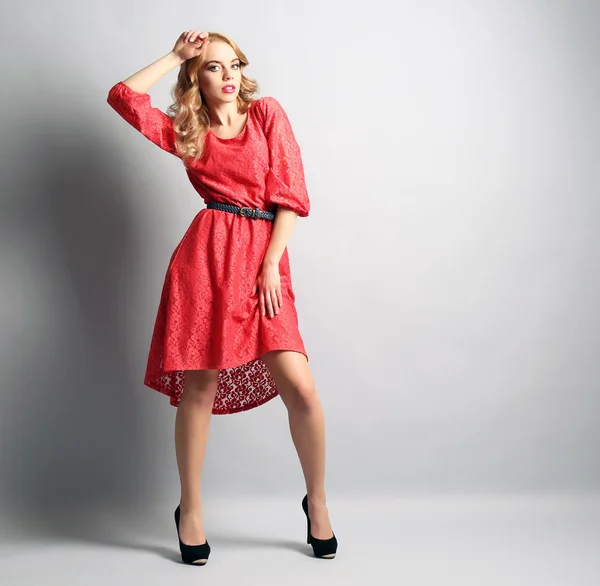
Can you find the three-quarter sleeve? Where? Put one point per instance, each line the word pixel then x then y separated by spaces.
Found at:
pixel 286 185
pixel 136 108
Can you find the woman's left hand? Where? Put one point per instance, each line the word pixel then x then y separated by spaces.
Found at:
pixel 268 285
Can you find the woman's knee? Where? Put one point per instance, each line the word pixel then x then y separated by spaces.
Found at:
pixel 301 395
pixel 200 385
pixel 293 378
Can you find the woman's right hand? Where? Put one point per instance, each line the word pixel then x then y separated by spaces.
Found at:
pixel 190 44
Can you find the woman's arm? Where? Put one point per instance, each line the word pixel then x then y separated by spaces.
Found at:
pixel 141 81
pixel 285 220
pixel 268 282
pixel 285 184
pixel 189 44
pixel 131 100
pixel 285 187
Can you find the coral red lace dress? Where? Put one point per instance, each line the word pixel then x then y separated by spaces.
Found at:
pixel 207 316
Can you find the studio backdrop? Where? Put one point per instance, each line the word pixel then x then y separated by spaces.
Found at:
pixel 446 278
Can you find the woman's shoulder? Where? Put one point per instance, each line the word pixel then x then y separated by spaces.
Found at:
pixel 267 105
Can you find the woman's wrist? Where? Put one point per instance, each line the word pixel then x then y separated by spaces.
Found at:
pixel 175 59
pixel 269 261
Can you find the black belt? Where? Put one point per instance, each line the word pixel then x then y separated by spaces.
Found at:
pixel 253 213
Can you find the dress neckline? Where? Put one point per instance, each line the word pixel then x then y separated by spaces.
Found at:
pixel 242 132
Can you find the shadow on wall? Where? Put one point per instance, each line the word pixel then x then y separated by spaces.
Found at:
pixel 71 433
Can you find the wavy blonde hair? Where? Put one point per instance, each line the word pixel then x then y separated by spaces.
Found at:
pixel 190 113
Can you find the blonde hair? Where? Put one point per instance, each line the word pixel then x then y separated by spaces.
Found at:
pixel 190 113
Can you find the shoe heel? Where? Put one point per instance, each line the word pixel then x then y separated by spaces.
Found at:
pixel 305 509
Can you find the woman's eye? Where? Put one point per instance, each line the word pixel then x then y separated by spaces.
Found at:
pixel 216 67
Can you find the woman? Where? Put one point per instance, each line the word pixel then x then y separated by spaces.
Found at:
pixel 226 337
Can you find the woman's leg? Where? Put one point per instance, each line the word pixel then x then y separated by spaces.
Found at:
pixel 297 390
pixel 192 423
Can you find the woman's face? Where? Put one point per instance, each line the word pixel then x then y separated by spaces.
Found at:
pixel 221 73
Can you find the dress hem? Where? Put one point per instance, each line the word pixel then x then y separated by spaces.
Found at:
pixel 153 382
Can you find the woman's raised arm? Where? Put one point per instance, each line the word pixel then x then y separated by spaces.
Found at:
pixel 131 100
pixel 189 44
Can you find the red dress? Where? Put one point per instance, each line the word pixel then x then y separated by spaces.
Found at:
pixel 207 317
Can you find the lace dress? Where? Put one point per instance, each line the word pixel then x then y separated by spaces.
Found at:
pixel 207 316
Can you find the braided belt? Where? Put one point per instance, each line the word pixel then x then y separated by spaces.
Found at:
pixel 254 214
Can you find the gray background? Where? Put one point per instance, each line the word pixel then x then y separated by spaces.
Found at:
pixel 447 278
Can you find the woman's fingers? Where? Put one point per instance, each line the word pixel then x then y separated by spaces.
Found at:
pixel 268 305
pixel 275 301
pixel 197 36
pixel 270 302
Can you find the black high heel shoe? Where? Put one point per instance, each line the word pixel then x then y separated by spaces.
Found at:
pixel 191 554
pixel 322 548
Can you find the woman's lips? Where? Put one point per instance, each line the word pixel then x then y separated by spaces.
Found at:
pixel 228 89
